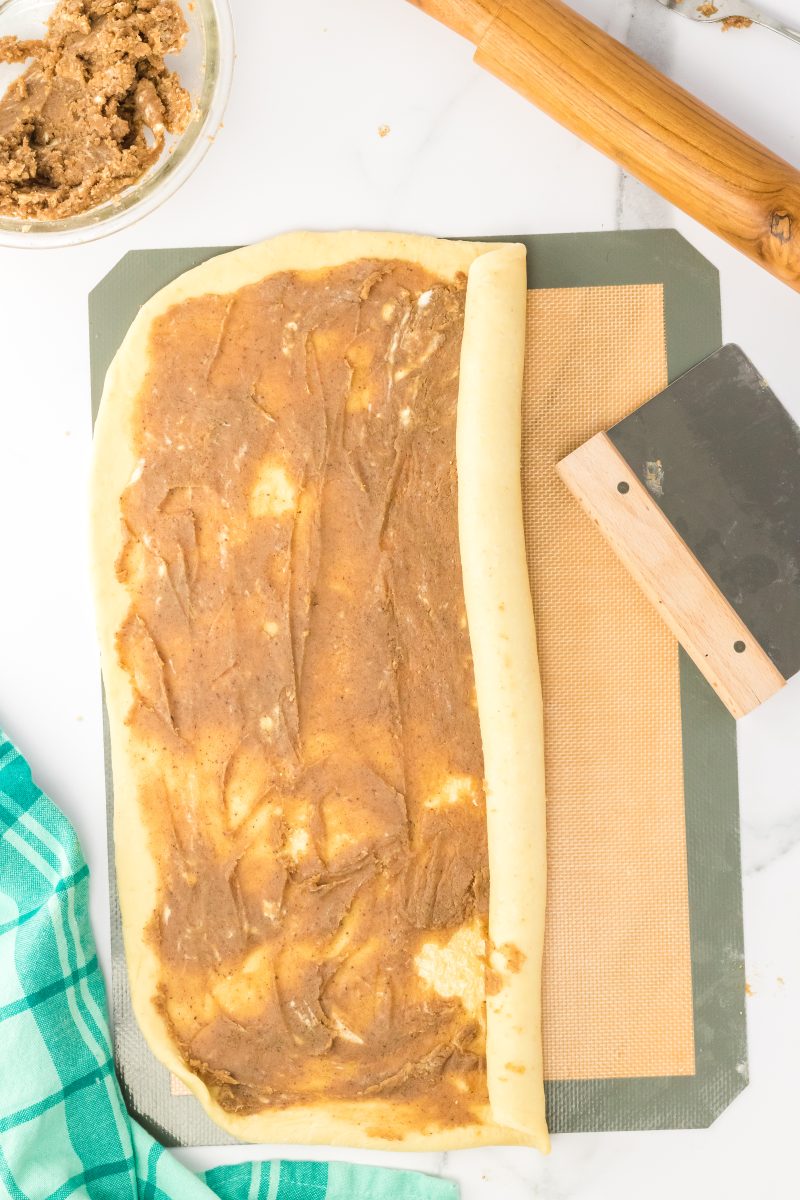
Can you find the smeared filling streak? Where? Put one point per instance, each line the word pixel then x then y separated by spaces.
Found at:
pixel 312 771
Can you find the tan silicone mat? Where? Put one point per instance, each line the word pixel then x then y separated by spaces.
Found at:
pixel 618 969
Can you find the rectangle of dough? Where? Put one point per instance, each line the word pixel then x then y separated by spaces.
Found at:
pixel 295 591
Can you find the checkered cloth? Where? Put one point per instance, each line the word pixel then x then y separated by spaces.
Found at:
pixel 64 1129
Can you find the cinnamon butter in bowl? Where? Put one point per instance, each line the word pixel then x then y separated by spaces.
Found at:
pixel 106 108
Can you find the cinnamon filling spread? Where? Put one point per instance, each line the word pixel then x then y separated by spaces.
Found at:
pixel 89 115
pixel 304 700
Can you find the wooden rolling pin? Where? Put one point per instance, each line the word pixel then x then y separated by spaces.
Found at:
pixel 654 129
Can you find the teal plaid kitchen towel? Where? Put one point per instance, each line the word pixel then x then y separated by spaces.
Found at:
pixel 64 1128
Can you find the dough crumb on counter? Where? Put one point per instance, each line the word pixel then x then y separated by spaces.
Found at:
pixel 89 115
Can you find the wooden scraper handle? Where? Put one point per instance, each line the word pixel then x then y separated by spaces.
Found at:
pixel 654 129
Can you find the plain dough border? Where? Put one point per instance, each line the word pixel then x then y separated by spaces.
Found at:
pixel 509 699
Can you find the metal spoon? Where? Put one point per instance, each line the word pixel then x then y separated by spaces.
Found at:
pixel 725 10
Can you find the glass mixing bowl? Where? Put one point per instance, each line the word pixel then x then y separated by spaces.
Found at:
pixel 204 66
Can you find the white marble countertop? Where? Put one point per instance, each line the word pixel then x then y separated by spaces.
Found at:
pixel 314 81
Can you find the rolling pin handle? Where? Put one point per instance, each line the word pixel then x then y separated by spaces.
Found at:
pixel 470 18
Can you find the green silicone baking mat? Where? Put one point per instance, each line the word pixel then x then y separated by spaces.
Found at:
pixel 644 964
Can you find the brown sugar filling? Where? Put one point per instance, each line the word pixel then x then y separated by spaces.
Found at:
pixel 312 770
pixel 89 115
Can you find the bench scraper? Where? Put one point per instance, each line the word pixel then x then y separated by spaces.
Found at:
pixel 698 492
